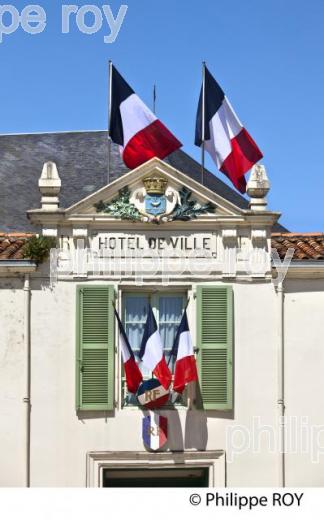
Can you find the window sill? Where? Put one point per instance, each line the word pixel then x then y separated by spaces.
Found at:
pixel 171 407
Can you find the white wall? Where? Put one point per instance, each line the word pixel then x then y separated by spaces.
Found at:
pixel 304 360
pixel 12 387
pixel 61 439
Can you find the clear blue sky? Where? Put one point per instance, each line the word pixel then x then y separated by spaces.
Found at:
pixel 266 54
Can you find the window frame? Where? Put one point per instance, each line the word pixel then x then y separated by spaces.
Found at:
pixel 154 301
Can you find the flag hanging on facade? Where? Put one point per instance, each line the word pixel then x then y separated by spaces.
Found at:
pixel 139 133
pixel 223 135
pixel 185 370
pixel 151 352
pixel 132 372
pixel 155 431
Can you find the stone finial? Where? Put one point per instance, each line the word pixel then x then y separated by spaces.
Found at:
pixel 50 186
pixel 257 188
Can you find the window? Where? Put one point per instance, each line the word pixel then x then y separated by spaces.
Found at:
pixel 95 341
pixel 167 308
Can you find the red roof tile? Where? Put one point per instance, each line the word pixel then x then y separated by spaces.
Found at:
pixel 11 245
pixel 307 246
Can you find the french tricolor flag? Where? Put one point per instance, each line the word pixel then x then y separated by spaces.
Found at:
pixel 132 372
pixel 155 431
pixel 151 352
pixel 224 137
pixel 185 367
pixel 139 133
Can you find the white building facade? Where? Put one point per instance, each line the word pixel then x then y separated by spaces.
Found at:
pixel 254 418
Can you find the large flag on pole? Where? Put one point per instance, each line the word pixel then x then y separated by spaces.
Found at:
pixel 185 367
pixel 132 372
pixel 151 352
pixel 139 133
pixel 222 134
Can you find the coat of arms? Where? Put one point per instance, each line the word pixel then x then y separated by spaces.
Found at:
pixel 156 201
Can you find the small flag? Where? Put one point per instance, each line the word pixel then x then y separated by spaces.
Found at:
pixel 132 371
pixel 140 134
pixel 185 367
pixel 226 140
pixel 151 352
pixel 155 431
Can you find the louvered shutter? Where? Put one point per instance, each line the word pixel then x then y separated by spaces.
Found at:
pixel 215 346
pixel 95 348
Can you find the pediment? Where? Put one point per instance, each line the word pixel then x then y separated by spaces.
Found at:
pixel 154 192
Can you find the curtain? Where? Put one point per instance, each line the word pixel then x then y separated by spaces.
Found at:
pixel 169 317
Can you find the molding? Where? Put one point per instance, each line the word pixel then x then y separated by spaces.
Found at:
pixel 17 266
pixel 96 461
pixel 152 167
pixel 304 269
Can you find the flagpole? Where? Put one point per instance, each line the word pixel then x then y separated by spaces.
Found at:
pixel 203 118
pixel 154 99
pixel 109 120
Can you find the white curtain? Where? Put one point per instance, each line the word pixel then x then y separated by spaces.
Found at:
pixel 169 317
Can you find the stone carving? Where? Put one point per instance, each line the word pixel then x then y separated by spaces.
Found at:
pixel 155 202
pixel 120 207
pixel 258 187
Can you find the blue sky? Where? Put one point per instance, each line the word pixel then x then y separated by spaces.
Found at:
pixel 267 55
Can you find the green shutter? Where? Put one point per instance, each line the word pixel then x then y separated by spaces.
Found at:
pixel 215 346
pixel 95 348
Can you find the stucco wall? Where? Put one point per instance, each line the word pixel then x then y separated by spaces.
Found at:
pixel 60 439
pixel 304 385
pixel 12 374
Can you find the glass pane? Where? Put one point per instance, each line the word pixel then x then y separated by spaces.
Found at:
pixel 136 308
pixel 170 314
pixel 171 309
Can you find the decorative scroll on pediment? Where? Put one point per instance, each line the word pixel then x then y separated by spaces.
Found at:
pixel 155 202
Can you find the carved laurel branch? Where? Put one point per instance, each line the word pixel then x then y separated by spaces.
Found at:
pixel 185 210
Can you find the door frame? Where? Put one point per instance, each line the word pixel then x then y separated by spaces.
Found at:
pixel 214 461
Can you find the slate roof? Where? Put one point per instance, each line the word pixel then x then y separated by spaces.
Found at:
pixel 307 246
pixel 82 159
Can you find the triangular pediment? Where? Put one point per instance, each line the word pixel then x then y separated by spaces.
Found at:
pixel 171 189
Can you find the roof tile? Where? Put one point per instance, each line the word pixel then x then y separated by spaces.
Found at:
pixel 307 246
pixel 11 245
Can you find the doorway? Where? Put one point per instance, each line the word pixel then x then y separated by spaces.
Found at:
pixel 164 477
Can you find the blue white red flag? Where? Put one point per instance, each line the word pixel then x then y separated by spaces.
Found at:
pixel 185 370
pixel 226 140
pixel 139 133
pixel 132 372
pixel 151 352
pixel 155 431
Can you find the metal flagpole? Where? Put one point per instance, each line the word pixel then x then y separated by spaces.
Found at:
pixel 203 118
pixel 109 120
pixel 154 99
